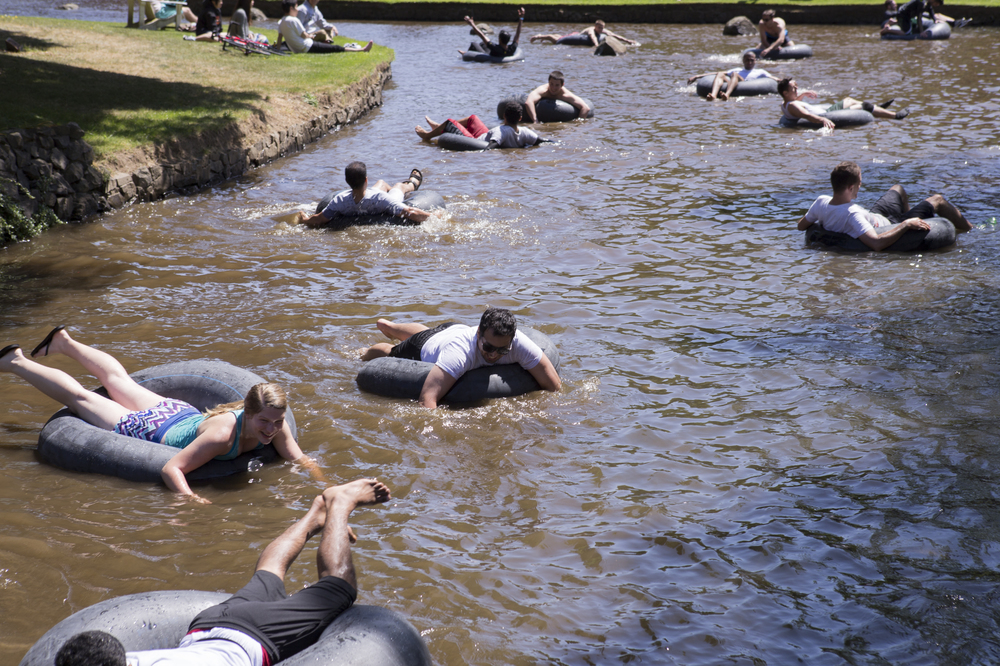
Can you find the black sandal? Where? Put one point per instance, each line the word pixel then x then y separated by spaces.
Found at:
pixel 415 175
pixel 46 342
pixel 8 349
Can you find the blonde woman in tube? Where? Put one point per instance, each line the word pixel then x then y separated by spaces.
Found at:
pixel 223 432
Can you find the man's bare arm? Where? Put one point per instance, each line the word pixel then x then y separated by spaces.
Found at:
pixel 436 386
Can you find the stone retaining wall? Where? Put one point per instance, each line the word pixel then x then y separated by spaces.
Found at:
pixel 55 164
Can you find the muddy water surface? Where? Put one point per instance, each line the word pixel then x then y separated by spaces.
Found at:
pixel 762 453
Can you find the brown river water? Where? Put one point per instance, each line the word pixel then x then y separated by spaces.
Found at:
pixel 762 453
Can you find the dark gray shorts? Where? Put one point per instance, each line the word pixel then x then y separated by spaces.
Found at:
pixel 410 348
pixel 284 625
pixel 890 205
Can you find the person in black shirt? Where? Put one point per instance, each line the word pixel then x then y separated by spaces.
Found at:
pixel 909 18
pixel 210 22
pixel 506 47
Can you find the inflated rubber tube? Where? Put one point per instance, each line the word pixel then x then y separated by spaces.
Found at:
pixel 69 442
pixel 450 141
pixel 929 30
pixel 476 53
pixel 403 378
pixel 546 110
pixel 423 199
pixel 787 52
pixel 578 39
pixel 158 620
pixel 762 86
pixel 941 234
pixel 842 118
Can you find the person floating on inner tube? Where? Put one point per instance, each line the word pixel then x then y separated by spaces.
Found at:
pixel 470 126
pixel 506 47
pixel 838 213
pixel 362 200
pixel 509 134
pixel 596 33
pixel 909 18
pixel 261 624
pixel 455 349
pixel 773 33
pixel 554 89
pixel 223 432
pixel 793 108
pixel 732 78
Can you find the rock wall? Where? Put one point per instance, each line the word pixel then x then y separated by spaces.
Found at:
pixel 55 165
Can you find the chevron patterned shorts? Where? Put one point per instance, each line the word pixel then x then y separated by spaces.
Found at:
pixel 152 424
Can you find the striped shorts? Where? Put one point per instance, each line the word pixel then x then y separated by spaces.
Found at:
pixel 152 424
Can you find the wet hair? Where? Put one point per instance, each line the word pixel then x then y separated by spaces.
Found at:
pixel 750 54
pixel 767 15
pixel 504 38
pixel 599 22
pixel 355 174
pixel 845 175
pixel 258 397
pixel 784 85
pixel 498 320
pixel 288 5
pixel 91 648
pixel 512 112
pixel 556 74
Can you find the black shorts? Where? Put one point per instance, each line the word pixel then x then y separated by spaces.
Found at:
pixel 890 205
pixel 284 625
pixel 410 347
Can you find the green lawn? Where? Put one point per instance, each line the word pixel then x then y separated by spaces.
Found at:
pixel 127 88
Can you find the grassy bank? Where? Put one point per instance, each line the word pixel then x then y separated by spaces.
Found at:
pixel 128 88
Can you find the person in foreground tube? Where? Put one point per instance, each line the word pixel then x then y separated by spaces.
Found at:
pixel 793 106
pixel 455 349
pixel 839 213
pixel 261 624
pixel 223 432
pixel 363 200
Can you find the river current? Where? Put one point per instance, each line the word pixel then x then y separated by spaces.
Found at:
pixel 763 453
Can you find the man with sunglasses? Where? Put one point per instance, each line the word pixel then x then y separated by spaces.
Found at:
pixel 455 349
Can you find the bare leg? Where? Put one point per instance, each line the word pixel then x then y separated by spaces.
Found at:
pixel 879 112
pixel 108 371
pixel 381 185
pixel 280 553
pixel 406 186
pixel 947 210
pixel 334 555
pixel 551 39
pixel 378 350
pixel 733 82
pixel 399 332
pixel 189 16
pixel 720 77
pixel 93 408
pixel 902 195
pixel 436 129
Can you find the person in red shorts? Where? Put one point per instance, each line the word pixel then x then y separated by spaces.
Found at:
pixel 470 126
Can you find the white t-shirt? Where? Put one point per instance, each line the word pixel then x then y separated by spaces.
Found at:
pixel 508 138
pixel 849 218
pixel 216 647
pixel 291 30
pixel 750 74
pixel 375 202
pixel 455 351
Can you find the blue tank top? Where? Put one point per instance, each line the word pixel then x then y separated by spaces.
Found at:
pixel 182 433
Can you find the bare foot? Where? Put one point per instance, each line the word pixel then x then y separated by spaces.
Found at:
pixel 54 343
pixel 422 133
pixel 724 97
pixel 433 125
pixel 316 516
pixel 357 493
pixel 710 97
pixel 383 325
pixel 368 47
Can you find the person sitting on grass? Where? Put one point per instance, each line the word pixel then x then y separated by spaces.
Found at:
pixel 839 213
pixel 209 26
pixel 793 108
pixel 290 30
pixel 312 18
pixel 554 89
pixel 732 78
pixel 505 48
pixel 362 200
pixel 596 33
pixel 470 126
pixel 239 26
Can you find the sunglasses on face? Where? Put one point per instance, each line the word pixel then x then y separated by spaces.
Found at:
pixel 491 349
